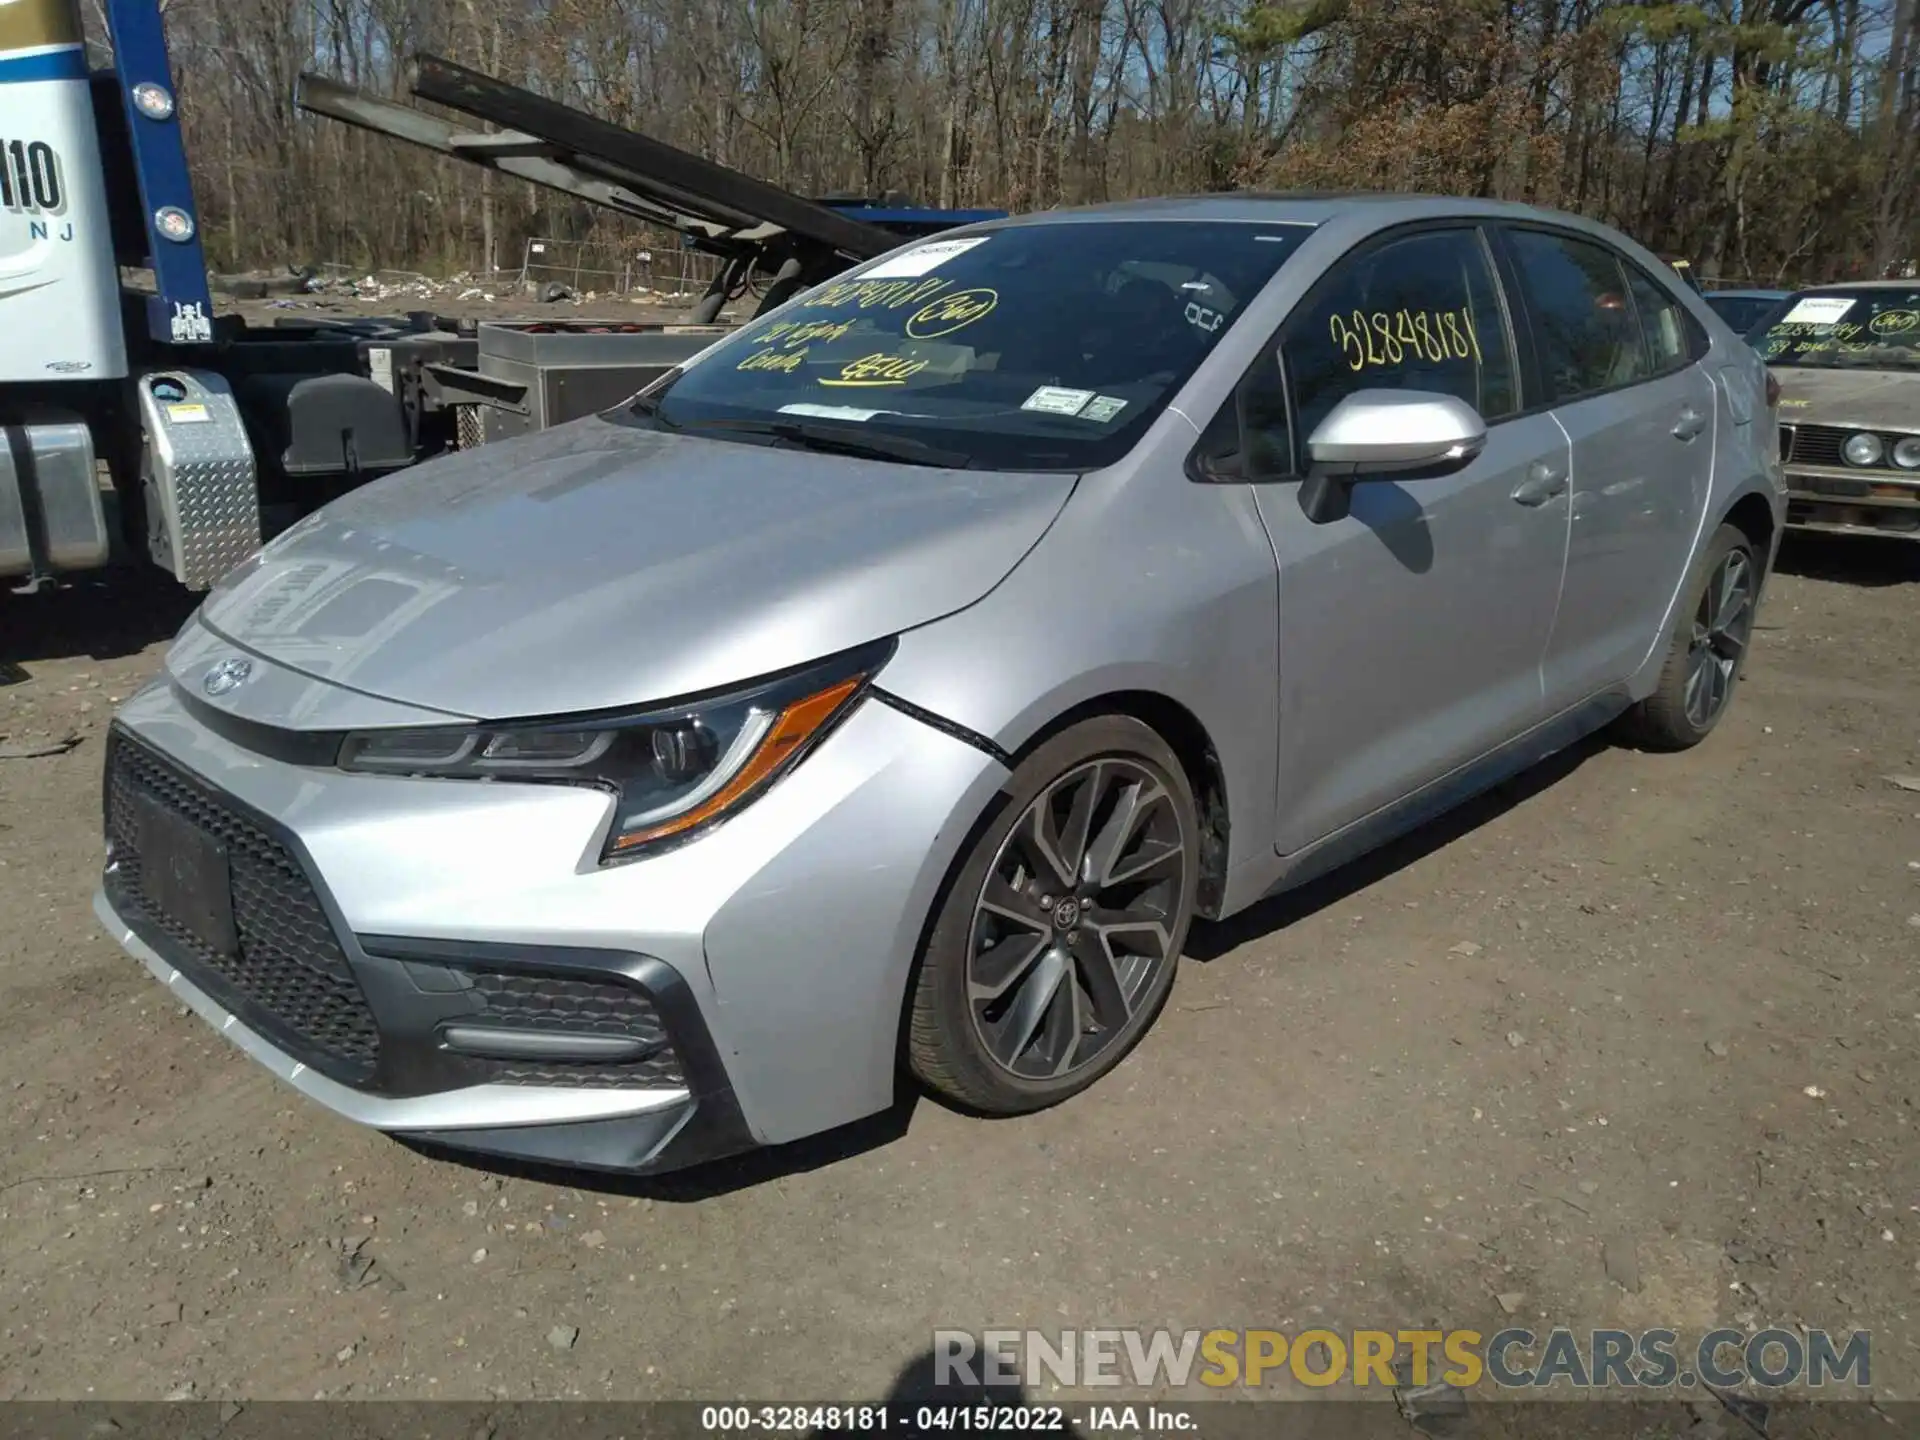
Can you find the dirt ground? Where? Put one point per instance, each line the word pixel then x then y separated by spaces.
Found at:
pixel 1631 1042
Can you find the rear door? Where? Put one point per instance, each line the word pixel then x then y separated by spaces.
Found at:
pixel 1411 632
pixel 1617 357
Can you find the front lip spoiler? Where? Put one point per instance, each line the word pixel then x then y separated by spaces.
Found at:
pixel 473 1107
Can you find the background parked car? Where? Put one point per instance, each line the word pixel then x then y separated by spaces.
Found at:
pixel 1847 358
pixel 1744 309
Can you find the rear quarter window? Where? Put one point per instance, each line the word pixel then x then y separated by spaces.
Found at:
pixel 1673 337
pixel 1584 329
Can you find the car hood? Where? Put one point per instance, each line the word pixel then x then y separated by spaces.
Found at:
pixel 598 565
pixel 1849 397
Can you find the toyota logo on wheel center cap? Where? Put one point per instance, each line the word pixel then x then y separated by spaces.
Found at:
pixel 227 675
pixel 1066 914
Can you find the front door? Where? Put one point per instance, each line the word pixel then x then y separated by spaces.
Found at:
pixel 1412 631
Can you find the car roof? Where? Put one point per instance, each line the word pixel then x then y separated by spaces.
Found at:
pixel 1748 294
pixel 1911 283
pixel 1300 207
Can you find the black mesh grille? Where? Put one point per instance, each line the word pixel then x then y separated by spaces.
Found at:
pixel 289 979
pixel 1818 445
pixel 562 1004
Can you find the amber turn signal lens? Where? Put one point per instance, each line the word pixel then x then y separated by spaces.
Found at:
pixel 797 724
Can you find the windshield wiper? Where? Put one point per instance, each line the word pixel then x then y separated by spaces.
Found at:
pixel 846 440
pixel 643 409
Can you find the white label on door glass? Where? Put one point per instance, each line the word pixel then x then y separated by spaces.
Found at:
pixel 921 259
pixel 1817 310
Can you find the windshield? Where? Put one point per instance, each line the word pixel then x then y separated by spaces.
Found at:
pixel 1037 347
pixel 1743 312
pixel 1867 329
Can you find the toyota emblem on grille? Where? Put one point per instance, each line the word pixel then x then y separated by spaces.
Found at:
pixel 227 675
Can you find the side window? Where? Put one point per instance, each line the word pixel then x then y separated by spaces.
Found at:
pixel 1248 438
pixel 1417 313
pixel 1583 326
pixel 1663 323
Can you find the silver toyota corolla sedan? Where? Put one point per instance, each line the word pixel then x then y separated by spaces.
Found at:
pixel 884 691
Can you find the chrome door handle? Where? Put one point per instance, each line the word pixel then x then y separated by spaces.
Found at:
pixel 1543 482
pixel 1690 424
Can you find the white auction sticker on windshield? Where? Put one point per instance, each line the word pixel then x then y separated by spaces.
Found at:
pixel 1817 310
pixel 921 259
pixel 1102 407
pixel 1053 400
pixel 830 412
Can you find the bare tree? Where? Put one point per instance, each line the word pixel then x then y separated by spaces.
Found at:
pixel 1767 138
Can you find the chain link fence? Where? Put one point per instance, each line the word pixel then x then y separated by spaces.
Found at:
pixel 661 266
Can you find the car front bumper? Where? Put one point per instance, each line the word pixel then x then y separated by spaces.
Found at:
pixel 646 1128
pixel 393 937
pixel 1853 502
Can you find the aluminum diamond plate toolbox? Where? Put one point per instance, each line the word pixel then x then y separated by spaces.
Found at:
pixel 203 495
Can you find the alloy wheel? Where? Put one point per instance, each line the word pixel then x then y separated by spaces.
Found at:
pixel 1722 626
pixel 1075 922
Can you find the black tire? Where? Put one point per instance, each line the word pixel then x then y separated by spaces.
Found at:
pixel 948 1027
pixel 1671 718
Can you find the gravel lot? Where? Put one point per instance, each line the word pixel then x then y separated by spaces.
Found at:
pixel 1631 1042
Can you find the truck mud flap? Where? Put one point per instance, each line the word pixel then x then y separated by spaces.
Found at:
pixel 202 489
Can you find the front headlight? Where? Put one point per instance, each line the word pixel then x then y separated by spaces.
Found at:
pixel 673 770
pixel 1906 453
pixel 1862 449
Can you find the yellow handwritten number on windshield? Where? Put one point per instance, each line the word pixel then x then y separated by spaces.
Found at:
pixel 874 294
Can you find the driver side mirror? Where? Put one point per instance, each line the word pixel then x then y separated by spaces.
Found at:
pixel 1373 434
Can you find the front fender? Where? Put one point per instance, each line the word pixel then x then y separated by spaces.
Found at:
pixel 1148 582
